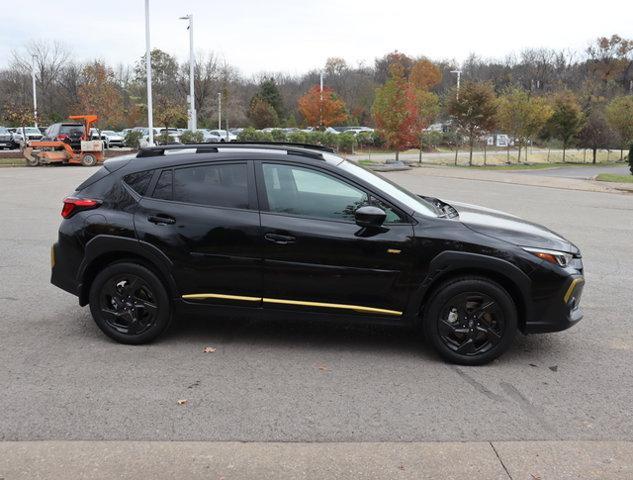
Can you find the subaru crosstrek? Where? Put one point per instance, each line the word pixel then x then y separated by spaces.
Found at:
pixel 297 231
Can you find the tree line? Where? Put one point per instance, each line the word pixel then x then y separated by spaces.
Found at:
pixel 577 98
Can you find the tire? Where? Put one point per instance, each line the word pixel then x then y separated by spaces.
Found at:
pixel 470 320
pixel 129 303
pixel 88 160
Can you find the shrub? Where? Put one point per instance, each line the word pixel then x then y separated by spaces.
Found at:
pixel 298 137
pixel 164 139
pixel 365 139
pixel 278 135
pixel 247 135
pixel 430 140
pixel 133 139
pixel 191 137
pixel 347 142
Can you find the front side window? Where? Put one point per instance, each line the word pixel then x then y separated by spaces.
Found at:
pixel 223 185
pixel 304 192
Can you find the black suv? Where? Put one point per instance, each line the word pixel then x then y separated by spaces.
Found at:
pixel 288 231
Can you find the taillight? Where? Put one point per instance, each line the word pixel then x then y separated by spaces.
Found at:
pixel 73 205
pixel 61 137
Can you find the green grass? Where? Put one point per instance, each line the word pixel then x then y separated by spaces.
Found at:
pixel 612 177
pixel 12 161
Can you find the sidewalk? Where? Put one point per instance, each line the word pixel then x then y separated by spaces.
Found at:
pixel 558 460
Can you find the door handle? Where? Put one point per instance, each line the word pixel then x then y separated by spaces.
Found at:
pixel 162 219
pixel 279 239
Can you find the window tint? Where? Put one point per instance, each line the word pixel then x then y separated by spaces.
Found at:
pixel 305 192
pixel 139 181
pixel 223 185
pixel 163 188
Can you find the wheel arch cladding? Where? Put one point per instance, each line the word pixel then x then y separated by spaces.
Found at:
pixel 104 250
pixel 448 265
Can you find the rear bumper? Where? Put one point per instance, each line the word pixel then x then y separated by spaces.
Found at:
pixel 60 278
pixel 562 312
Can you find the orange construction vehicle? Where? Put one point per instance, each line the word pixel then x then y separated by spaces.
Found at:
pixel 62 149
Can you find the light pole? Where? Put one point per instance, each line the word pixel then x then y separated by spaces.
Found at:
pixel 34 92
pixel 192 123
pixel 459 76
pixel 148 70
pixel 219 111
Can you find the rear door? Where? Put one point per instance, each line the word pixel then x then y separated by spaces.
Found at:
pixel 205 218
pixel 315 256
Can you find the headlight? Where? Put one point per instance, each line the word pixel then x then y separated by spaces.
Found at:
pixel 561 259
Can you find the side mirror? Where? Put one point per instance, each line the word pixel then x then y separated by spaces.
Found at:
pixel 369 216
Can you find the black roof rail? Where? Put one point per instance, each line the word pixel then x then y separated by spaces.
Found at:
pixel 213 148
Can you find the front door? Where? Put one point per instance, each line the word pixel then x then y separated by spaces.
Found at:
pixel 205 219
pixel 315 256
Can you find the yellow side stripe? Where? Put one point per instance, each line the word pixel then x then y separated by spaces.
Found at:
pixel 572 286
pixel 202 296
pixel 357 308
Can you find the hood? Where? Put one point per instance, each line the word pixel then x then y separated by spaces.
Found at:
pixel 510 228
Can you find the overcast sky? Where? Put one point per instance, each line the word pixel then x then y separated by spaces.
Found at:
pixel 294 36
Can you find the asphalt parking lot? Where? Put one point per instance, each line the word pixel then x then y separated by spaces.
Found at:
pixel 63 380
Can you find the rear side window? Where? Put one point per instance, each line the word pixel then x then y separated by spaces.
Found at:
pixel 223 185
pixel 139 181
pixel 163 189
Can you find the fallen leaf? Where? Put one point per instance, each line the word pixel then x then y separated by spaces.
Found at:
pixel 208 350
pixel 554 368
pixel 183 401
pixel 401 467
pixel 535 477
pixel 323 368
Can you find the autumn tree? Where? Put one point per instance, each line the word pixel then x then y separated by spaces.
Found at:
pixel 522 115
pixel 425 75
pixel 262 114
pixel 169 113
pixel 322 108
pixel 595 133
pixel 98 94
pixel 619 113
pixel 396 111
pixel 474 111
pixel 567 119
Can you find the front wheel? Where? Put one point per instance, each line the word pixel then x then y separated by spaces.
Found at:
pixel 470 320
pixel 129 303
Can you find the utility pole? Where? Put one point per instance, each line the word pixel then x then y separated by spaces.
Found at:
pixel 321 100
pixel 193 121
pixel 219 110
pixel 148 69
pixel 459 76
pixel 34 91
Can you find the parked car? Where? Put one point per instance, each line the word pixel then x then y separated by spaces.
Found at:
pixel 112 139
pixel 209 137
pixel 225 136
pixel 6 138
pixel 67 132
pixel 32 133
pixel 286 231
pixel 174 135
pixel 145 132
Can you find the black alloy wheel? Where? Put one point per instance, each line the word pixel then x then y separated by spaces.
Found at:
pixel 129 303
pixel 470 320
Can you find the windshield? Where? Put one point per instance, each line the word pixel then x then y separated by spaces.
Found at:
pixel 32 130
pixel 414 202
pixel 3 130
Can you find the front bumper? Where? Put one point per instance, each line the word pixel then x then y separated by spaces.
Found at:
pixel 562 311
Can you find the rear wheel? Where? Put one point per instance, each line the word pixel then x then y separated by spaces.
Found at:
pixel 129 303
pixel 88 160
pixel 470 320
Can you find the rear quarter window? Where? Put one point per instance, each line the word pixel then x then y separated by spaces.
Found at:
pixel 139 181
